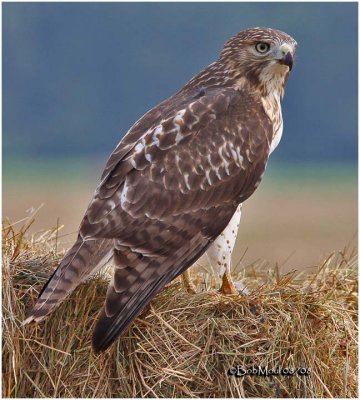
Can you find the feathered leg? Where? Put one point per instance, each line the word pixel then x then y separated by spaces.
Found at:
pixel 219 254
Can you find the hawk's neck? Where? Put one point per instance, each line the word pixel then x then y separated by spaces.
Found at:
pixel 216 74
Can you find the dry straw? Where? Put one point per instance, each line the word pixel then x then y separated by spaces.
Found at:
pixel 183 344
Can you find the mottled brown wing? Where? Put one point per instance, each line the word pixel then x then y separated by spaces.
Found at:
pixel 203 148
pixel 87 256
pixel 173 193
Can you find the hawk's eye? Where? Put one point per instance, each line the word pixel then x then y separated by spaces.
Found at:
pixel 262 47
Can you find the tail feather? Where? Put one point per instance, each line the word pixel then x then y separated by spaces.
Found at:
pixel 133 288
pixel 84 259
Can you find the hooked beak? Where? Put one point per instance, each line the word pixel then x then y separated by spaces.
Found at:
pixel 288 60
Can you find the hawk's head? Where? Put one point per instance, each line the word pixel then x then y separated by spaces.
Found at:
pixel 263 56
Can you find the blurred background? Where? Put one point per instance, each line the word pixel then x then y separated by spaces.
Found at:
pixel 76 76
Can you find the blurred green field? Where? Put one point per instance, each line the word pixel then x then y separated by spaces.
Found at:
pixel 299 214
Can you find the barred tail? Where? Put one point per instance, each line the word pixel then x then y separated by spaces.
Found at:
pixel 84 259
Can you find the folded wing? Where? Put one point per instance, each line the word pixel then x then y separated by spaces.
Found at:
pixel 169 189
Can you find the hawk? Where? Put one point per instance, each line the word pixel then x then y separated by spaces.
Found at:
pixel 173 187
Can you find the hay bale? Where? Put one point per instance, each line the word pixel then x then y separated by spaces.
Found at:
pixel 182 345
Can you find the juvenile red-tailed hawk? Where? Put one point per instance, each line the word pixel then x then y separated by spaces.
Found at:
pixel 176 181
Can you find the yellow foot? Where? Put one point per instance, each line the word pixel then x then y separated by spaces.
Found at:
pixel 228 286
pixel 188 285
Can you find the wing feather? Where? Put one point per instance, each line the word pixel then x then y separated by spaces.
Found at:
pixel 169 189
pixel 235 133
pixel 125 301
pixel 185 177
